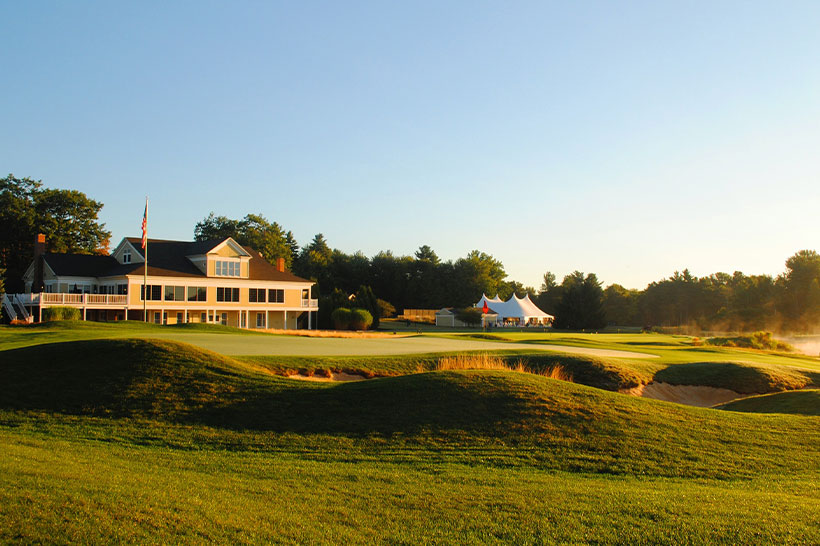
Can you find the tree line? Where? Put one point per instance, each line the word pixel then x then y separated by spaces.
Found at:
pixel 385 282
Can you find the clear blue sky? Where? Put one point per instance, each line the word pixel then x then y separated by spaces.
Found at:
pixel 628 139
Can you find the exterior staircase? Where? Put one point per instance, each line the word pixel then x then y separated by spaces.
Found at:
pixel 11 312
pixel 14 308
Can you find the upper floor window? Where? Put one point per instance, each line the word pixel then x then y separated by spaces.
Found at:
pixel 256 295
pixel 154 292
pixel 126 256
pixel 225 268
pixel 276 295
pixel 227 294
pixel 174 293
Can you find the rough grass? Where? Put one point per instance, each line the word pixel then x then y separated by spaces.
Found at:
pixel 741 377
pixel 565 426
pixel 141 440
pixel 805 402
pixel 757 340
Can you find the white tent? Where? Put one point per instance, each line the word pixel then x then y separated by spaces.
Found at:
pixel 520 311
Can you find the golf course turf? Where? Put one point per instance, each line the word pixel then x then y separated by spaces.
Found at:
pixel 120 433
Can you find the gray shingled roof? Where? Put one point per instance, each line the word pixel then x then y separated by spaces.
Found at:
pixel 165 258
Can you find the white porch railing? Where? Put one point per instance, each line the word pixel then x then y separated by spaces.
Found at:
pixel 47 299
pixel 310 303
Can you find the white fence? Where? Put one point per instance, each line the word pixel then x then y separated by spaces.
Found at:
pixel 47 299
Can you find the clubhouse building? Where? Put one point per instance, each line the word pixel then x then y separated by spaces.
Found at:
pixel 218 282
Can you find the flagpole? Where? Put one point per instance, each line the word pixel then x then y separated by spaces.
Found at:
pixel 145 270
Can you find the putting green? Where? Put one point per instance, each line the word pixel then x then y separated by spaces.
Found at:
pixel 315 346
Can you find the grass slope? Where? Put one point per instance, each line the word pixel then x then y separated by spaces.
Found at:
pixel 112 440
pixel 551 424
pixel 805 402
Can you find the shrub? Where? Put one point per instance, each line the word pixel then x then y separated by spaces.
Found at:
pixel 61 313
pixel 470 316
pixel 758 340
pixel 341 318
pixel 361 319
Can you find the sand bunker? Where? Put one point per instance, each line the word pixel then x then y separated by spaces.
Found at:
pixel 341 376
pixel 690 395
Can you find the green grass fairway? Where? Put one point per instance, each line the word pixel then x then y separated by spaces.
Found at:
pixel 108 435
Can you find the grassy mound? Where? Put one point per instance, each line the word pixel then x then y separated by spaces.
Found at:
pixel 118 377
pixel 607 374
pixel 742 377
pixel 797 402
pixel 763 341
pixel 466 415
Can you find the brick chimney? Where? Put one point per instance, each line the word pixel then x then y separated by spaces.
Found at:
pixel 37 284
pixel 280 264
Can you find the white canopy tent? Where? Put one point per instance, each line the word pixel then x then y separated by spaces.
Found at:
pixel 519 311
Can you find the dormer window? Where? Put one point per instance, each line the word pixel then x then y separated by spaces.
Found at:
pixel 126 257
pixel 226 268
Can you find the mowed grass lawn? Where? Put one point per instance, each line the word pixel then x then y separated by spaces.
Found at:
pixel 105 438
pixel 59 491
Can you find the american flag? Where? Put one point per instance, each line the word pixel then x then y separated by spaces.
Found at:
pixel 145 225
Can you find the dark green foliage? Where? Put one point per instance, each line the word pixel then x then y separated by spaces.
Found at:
pixel 61 313
pixel 758 340
pixel 386 309
pixel 329 303
pixel 581 305
pixel 68 218
pixel 801 290
pixel 621 305
pixel 360 319
pixel 469 315
pixel 341 318
pixel 367 300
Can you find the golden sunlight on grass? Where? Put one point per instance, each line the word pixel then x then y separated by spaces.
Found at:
pixel 486 361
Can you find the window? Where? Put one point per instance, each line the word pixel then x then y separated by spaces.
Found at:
pixel 224 320
pixel 122 289
pixel 276 295
pixel 197 293
pixel 156 316
pixel 224 268
pixel 165 317
pixel 126 256
pixel 260 320
pixel 227 294
pixel 154 292
pixel 179 318
pixel 203 317
pixel 174 293
pixel 256 295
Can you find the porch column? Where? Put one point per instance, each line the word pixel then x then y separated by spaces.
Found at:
pixel 310 327
pixel 286 319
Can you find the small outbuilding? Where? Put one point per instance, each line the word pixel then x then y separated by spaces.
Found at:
pixel 448 316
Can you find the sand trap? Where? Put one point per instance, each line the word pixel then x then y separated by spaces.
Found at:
pixel 341 376
pixel 690 395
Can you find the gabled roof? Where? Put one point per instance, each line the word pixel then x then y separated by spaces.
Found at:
pixel 79 265
pixel 165 259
